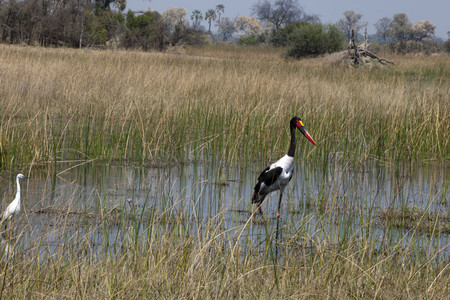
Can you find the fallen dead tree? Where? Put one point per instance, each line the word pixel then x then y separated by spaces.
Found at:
pixel 358 53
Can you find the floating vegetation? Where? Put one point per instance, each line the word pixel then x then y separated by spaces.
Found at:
pixel 415 218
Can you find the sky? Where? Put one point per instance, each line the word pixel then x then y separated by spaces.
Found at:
pixel 329 11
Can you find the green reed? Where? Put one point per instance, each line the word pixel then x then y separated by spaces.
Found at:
pixel 60 104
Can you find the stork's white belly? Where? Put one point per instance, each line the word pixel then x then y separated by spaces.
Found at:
pixel 284 178
pixel 286 163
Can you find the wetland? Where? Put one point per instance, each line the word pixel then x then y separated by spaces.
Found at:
pixel 142 167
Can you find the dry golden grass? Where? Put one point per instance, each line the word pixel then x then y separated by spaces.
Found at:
pixel 230 102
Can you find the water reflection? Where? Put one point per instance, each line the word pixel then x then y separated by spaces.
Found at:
pixel 332 203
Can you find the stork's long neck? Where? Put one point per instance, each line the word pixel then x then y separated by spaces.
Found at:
pixel 291 150
pixel 18 189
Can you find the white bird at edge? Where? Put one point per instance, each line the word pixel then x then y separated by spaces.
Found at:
pixel 14 207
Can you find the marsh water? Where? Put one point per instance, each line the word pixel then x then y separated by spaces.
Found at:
pixel 76 201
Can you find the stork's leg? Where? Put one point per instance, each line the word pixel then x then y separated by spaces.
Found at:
pixel 260 209
pixel 278 221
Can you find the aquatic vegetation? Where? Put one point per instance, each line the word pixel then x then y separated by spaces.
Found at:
pixel 222 103
pixel 416 218
pixel 166 232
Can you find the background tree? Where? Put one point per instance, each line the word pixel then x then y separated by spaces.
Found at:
pixel 383 27
pixel 196 18
pixel 101 27
pixel 249 26
pixel 144 31
pixel 226 28
pixel 351 20
pixel 120 4
pixel 423 31
pixel 174 18
pixel 96 33
pixel 14 25
pixel 280 13
pixel 44 22
pixel 210 16
pixel 401 27
pixel 106 4
pixel 220 9
pixel 250 30
pixel 314 39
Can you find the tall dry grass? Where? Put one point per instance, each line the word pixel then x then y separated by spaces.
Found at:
pixel 227 103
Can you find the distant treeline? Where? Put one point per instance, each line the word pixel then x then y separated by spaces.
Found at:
pixel 103 24
pixel 82 23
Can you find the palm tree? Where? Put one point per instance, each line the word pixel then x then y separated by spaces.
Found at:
pixel 210 16
pixel 220 8
pixel 196 18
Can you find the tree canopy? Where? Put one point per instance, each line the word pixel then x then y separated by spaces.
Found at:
pixel 281 12
pixel 351 21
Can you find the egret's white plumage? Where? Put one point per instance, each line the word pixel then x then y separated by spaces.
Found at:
pixel 14 207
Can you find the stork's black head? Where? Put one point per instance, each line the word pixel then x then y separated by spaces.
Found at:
pixel 296 122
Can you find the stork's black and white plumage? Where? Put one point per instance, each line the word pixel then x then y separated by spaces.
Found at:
pixel 277 175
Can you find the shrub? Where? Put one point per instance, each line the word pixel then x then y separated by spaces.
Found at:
pixel 251 40
pixel 280 37
pixel 314 39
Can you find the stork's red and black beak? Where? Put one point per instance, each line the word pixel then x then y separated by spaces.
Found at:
pixel 302 129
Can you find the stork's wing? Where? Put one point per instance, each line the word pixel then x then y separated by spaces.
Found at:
pixel 268 177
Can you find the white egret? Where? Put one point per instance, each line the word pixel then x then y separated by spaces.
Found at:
pixel 14 207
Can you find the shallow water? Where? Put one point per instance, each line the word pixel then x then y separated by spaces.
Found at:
pixel 335 202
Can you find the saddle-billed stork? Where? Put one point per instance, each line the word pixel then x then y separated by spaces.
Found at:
pixel 277 175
